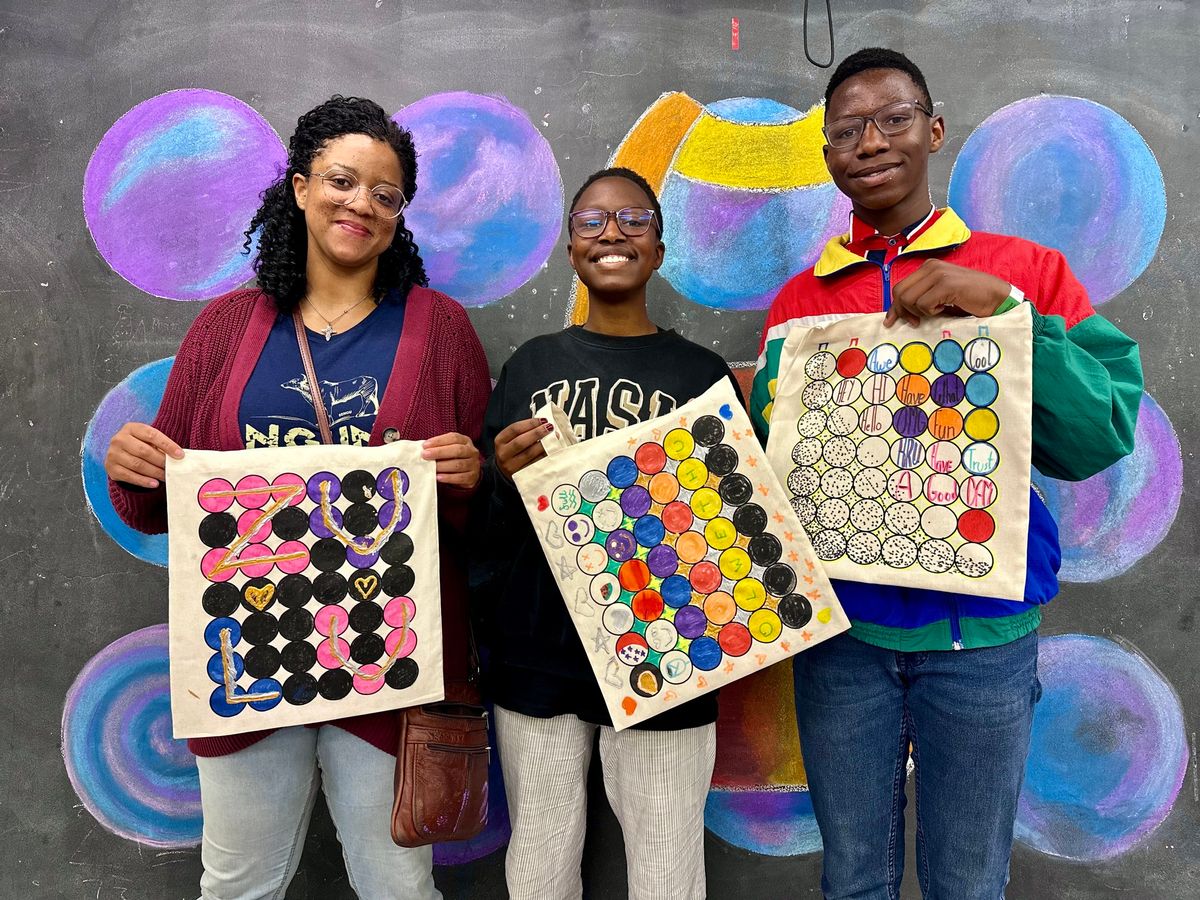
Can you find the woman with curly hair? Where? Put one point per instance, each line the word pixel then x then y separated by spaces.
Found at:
pixel 394 360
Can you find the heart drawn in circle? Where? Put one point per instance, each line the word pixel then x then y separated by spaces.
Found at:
pixel 260 597
pixel 365 585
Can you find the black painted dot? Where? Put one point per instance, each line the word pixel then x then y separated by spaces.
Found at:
pixel 735 489
pixel 364 584
pixel 721 460
pixel 795 611
pixel 398 581
pixel 708 431
pixel 290 524
pixel 779 579
pixel 335 684
pixel 358 486
pixel 260 628
pixel 765 549
pixel 367 648
pixel 262 661
pixel 296 624
pixel 750 519
pixel 301 688
pixel 221 599
pixel 218 529
pixel 360 519
pixel 402 674
pixel 261 591
pixel 327 554
pixel 330 587
pixel 294 590
pixel 365 617
pixel 397 550
pixel 298 656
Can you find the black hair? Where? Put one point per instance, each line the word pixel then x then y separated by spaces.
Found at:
pixel 279 227
pixel 628 175
pixel 877 58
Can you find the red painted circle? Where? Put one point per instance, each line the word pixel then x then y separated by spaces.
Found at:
pixel 647 605
pixel 851 361
pixel 976 525
pixel 705 577
pixel 634 574
pixel 734 639
pixel 650 458
pixel 677 517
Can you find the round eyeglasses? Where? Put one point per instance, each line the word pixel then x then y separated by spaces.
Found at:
pixel 890 120
pixel 387 202
pixel 632 221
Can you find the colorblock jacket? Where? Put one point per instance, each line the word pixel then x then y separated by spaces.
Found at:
pixel 1087 387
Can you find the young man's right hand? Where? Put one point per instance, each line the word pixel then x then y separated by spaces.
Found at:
pixel 137 455
pixel 520 444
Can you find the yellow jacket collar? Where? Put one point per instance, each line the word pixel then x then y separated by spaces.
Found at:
pixel 948 231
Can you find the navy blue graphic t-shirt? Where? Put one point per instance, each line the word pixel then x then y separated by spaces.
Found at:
pixel 352 369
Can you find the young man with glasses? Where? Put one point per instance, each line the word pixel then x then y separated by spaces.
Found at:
pixel 952 676
pixel 617 369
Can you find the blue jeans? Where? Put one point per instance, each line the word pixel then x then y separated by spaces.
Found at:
pixel 967 715
pixel 257 803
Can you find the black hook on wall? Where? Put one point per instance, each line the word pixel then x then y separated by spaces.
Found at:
pixel 829 22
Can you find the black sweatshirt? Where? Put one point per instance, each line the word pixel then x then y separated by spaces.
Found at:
pixel 537 665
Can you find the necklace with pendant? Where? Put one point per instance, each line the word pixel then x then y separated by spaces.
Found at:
pixel 328 331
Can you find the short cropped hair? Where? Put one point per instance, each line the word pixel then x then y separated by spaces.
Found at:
pixel 877 58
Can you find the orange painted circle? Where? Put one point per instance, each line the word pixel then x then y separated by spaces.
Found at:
pixel 634 574
pixel 691 547
pixel 647 605
pixel 912 390
pixel 946 424
pixel 664 488
pixel 719 607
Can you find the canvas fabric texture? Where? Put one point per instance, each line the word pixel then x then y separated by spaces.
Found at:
pixel 906 451
pixel 681 562
pixel 304 585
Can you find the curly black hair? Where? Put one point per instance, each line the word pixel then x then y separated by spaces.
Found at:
pixel 877 58
pixel 279 224
pixel 628 175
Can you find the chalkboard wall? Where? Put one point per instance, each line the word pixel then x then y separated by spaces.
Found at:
pixel 134 137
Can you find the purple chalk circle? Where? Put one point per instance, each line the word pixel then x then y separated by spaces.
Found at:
pixel 768 822
pixel 1108 752
pixel 134 778
pixel 135 399
pixel 489 206
pixel 1110 521
pixel 1071 174
pixel 172 186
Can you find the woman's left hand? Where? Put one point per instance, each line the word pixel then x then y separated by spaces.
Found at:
pixel 458 460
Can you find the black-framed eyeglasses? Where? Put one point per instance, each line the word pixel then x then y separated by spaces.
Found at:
pixel 632 221
pixel 387 202
pixel 893 119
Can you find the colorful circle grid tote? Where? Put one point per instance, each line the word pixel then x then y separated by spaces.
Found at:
pixel 304 586
pixel 906 451
pixel 679 557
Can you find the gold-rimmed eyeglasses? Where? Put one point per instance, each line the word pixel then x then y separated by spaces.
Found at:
pixel 387 201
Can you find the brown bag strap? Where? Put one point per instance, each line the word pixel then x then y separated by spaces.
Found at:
pixel 310 372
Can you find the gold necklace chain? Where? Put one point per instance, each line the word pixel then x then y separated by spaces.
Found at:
pixel 328 331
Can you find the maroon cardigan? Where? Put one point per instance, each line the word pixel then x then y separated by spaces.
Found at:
pixel 439 383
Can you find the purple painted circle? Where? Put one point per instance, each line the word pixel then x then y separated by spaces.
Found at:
pixel 131 775
pixel 314 487
pixel 489 207
pixel 135 399
pixel 389 509
pixel 172 186
pixel 690 621
pixel 621 545
pixel 770 823
pixel 1108 753
pixel 1070 174
pixel 383 482
pixel 662 560
pixel 1110 521
pixel 948 390
pixel 361 560
pixel 910 421
pixel 635 501
pixel 316 521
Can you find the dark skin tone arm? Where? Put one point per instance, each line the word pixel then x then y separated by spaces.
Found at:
pixel 941 288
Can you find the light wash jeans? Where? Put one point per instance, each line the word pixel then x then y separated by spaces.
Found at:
pixel 257 803
pixel 967 714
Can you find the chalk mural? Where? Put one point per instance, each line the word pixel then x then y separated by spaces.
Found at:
pixel 489 208
pixel 1113 519
pixel 135 399
pixel 747 201
pixel 171 188
pixel 1108 753
pixel 1070 174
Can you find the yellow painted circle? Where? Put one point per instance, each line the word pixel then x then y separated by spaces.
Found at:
pixel 735 563
pixel 679 443
pixel 916 357
pixel 692 473
pixel 981 424
pixel 706 503
pixel 749 594
pixel 720 533
pixel 764 625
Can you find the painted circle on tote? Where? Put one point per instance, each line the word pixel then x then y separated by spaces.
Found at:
pixel 807 452
pixel 1058 170
pixel 820 365
pixel 1110 521
pixel 135 779
pixel 479 246
pixel 135 399
pixel 140 202
pixel 608 515
pixel 1108 753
